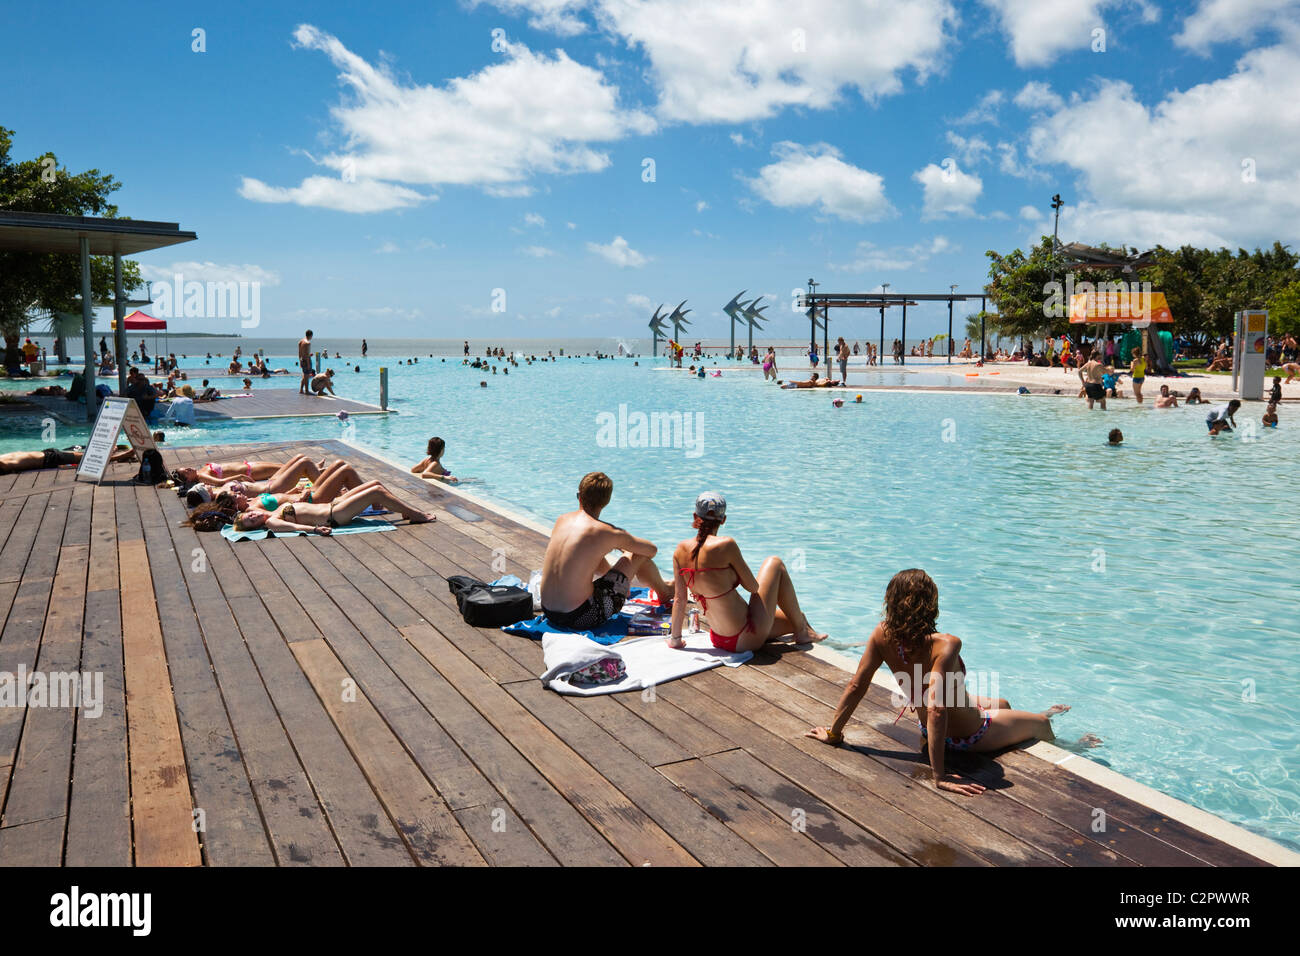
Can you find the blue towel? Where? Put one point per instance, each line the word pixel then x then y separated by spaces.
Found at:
pixel 611 632
pixel 357 526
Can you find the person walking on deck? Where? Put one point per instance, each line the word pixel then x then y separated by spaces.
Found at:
pixel 304 363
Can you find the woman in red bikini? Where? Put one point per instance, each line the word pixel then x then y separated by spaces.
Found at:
pixel 932 675
pixel 712 569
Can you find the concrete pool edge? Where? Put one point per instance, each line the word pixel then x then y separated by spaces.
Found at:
pixel 1234 835
pixel 1213 826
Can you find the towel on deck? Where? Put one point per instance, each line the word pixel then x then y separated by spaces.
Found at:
pixel 611 632
pixel 230 533
pixel 649 661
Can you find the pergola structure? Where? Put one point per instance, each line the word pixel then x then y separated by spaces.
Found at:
pixel 825 301
pixel 91 236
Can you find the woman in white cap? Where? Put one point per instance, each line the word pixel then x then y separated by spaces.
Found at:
pixel 712 568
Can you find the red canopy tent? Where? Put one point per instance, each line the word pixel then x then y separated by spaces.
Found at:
pixel 139 321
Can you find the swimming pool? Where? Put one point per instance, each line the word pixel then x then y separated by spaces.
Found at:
pixel 1150 586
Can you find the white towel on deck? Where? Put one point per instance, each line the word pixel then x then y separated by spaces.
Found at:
pixel 649 661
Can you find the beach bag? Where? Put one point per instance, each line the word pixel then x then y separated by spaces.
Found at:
pixel 487 605
pixel 152 471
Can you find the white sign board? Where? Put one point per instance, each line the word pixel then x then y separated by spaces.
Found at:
pixel 115 414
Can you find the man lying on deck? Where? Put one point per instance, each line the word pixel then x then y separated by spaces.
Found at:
pixel 16 461
pixel 581 590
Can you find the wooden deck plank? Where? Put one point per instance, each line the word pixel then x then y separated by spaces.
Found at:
pixel 625 825
pixel 162 811
pixel 755 824
pixel 435 836
pixel 699 834
pixel 99 809
pixel 39 843
pixel 294 820
pixel 234 833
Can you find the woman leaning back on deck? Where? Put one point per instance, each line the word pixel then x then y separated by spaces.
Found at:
pixel 214 473
pixel 906 640
pixel 321 518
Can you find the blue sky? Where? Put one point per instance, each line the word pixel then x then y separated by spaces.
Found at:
pixel 382 171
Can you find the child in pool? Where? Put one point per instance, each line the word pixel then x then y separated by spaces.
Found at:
pixel 1270 416
pixel 1115 438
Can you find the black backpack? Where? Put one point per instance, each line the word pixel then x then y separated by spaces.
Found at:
pixel 486 605
pixel 152 470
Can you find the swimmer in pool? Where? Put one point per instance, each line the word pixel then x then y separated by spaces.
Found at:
pixel 949 717
pixel 1270 416
pixel 431 466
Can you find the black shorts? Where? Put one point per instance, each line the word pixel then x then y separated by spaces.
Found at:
pixel 1094 390
pixel 608 593
pixel 54 458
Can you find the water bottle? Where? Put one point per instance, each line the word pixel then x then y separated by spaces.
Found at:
pixel 693 617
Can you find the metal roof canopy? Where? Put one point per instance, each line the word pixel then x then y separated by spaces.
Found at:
pixel 47 232
pixel 87 236
pixel 882 301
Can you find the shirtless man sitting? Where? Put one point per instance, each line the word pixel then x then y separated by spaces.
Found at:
pixel 580 589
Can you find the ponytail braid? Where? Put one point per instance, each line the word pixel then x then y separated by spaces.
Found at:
pixel 708 526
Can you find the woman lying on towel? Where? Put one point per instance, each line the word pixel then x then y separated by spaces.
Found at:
pixel 335 481
pixel 322 518
pixel 328 485
pixel 252 471
pixel 932 675
pixel 713 568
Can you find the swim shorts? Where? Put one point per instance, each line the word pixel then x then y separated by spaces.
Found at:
pixel 1094 390
pixel 608 593
pixel 54 458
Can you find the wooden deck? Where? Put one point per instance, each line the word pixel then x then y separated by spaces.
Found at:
pixel 279 403
pixel 319 701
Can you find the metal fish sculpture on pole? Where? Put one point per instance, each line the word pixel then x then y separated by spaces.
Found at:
pixel 657 327
pixel 753 316
pixel 733 310
pixel 678 319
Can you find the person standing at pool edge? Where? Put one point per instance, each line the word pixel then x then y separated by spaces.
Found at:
pixel 1137 373
pixel 304 362
pixel 1091 377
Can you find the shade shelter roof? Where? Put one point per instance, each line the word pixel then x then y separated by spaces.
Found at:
pixel 46 232
pixel 139 321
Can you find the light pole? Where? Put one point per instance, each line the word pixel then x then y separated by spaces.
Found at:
pixel 1057 203
pixel 812 304
pixel 884 289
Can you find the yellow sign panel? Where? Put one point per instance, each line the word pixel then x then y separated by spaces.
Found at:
pixel 1256 321
pixel 1119 307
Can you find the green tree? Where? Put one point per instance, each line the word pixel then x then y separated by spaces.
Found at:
pixel 1284 310
pixel 35 284
pixel 1021 286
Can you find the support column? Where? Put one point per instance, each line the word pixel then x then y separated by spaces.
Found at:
pixel 902 352
pixel 982 310
pixel 881 356
pixel 826 339
pixel 119 316
pixel 949 331
pixel 88 328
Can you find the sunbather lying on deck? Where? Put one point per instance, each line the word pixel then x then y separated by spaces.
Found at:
pixel 335 481
pixel 218 474
pixel 813 382
pixel 16 461
pixel 321 518
pixel 581 590
pixel 713 568
pixel 337 477
pixel 932 675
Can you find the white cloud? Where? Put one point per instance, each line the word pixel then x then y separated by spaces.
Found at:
pixel 731 62
pixel 387 248
pixel 701 206
pixel 868 257
pixel 537 252
pixel 1031 213
pixel 998 214
pixel 1180 171
pixel 739 139
pixel 1040 30
pixel 816 175
pixel 333 192
pixel 209 272
pixel 640 301
pixel 985 111
pixel 948 192
pixel 971 151
pixel 523 116
pixel 1223 21
pixel 572 225
pixel 558 16
pixel 534 219
pixel 1038 96
pixel 619 253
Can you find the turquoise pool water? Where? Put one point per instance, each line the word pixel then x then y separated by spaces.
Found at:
pixel 1150 586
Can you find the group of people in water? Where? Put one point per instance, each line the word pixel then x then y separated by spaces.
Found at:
pixel 583 586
